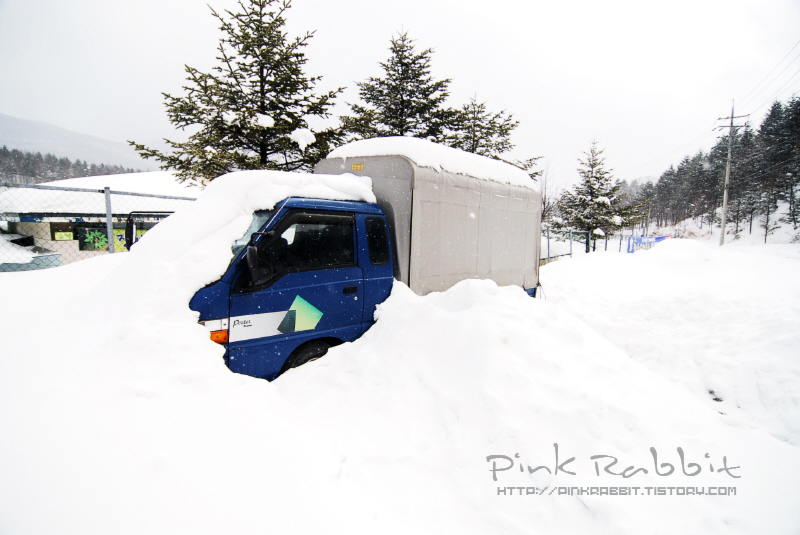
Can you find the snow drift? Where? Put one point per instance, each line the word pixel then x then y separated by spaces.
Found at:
pixel 118 415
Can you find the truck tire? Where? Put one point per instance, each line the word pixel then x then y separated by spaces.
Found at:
pixel 305 353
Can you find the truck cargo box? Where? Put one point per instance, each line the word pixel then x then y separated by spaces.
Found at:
pixel 453 215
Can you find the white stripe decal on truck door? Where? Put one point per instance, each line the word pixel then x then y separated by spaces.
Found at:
pixel 255 326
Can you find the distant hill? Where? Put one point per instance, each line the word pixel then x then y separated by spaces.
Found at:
pixel 20 167
pixel 34 136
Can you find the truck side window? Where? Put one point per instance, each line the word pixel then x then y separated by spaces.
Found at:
pixel 377 242
pixel 306 243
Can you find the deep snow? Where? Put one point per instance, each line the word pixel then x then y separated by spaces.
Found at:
pixel 721 319
pixel 118 415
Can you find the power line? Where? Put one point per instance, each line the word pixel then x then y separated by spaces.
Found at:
pixel 764 172
pixel 756 153
pixel 745 100
pixel 648 164
pixel 645 167
pixel 771 99
pixel 753 154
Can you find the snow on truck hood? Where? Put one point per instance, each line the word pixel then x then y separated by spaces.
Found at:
pixel 197 238
pixel 438 157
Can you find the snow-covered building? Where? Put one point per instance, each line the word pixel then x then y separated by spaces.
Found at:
pixel 64 221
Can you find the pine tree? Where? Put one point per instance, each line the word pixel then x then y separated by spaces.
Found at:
pixel 595 204
pixel 741 201
pixel 791 179
pixel 774 151
pixel 480 131
pixel 251 111
pixel 405 101
pixel 477 130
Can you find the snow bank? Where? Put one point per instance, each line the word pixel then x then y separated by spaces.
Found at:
pixel 780 233
pixel 118 415
pixel 145 424
pixel 439 157
pixel 11 253
pixel 709 318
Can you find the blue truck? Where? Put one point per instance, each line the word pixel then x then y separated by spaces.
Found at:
pixel 308 274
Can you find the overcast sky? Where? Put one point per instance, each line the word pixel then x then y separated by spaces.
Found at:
pixel 647 80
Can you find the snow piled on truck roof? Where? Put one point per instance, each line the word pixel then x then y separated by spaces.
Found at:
pixel 439 157
pixel 207 227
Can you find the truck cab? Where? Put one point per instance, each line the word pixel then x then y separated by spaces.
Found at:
pixel 305 276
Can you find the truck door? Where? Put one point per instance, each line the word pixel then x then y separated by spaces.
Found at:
pixel 307 284
pixel 375 260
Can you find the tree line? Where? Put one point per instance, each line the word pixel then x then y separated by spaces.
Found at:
pixel 253 109
pixel 765 169
pixel 30 167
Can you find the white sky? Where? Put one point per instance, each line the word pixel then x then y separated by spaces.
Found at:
pixel 647 80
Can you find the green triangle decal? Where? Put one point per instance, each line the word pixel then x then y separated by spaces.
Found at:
pixel 307 316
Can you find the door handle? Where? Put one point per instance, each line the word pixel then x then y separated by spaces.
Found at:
pixel 350 290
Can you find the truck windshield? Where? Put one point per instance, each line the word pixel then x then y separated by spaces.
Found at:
pixel 260 218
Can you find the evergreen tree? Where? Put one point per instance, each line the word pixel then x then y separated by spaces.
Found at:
pixel 251 111
pixel 637 193
pixel 477 130
pixel 595 204
pixel 791 180
pixel 743 196
pixel 405 101
pixel 480 131
pixel 773 160
pixel 35 168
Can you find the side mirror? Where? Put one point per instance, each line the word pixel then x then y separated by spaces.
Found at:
pixel 252 262
pixel 265 236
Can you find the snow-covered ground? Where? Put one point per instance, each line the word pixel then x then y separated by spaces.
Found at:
pixel 118 416
pixel 711 319
pixel 780 232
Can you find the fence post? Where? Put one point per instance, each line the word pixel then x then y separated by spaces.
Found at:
pixel 605 247
pixel 570 243
pixel 620 242
pixel 548 244
pixel 109 221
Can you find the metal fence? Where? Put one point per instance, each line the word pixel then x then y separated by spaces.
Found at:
pixel 560 243
pixel 46 226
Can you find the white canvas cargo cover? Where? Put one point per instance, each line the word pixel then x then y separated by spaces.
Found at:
pixel 450 226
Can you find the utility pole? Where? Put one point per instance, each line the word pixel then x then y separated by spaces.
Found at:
pixel 727 172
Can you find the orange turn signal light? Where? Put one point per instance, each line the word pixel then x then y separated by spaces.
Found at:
pixel 220 337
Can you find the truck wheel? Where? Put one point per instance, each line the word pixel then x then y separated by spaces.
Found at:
pixel 305 353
